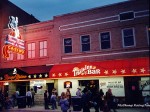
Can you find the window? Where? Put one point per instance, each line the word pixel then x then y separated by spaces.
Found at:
pixel 105 40
pixel 68 45
pixel 128 37
pixel 85 41
pixel 11 56
pixel 20 57
pixel 43 48
pixel 126 16
pixel 31 50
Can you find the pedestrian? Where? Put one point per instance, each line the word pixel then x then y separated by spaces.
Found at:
pixel 64 103
pixel 110 100
pixel 33 93
pixel 68 94
pixel 2 99
pixel 147 100
pixel 96 101
pixel 53 100
pixel 56 93
pixel 29 98
pixel 85 100
pixel 46 99
pixel 17 94
pixel 101 93
pixel 79 93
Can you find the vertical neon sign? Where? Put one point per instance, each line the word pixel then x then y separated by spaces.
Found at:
pixel 13 41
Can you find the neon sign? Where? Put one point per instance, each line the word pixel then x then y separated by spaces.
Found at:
pixel 13 41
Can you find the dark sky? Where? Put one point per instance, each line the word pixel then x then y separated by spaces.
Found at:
pixel 45 9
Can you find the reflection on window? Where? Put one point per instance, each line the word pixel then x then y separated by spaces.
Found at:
pixel 43 48
pixel 128 37
pixel 85 42
pixel 105 40
pixel 31 50
pixel 68 45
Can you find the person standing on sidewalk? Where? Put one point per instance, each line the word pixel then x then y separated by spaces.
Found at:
pixel 53 100
pixel 64 103
pixel 46 99
pixel 110 100
pixel 33 93
pixel 68 94
pixel 29 98
pixel 86 100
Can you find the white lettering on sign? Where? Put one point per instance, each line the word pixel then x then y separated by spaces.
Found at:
pixel 86 70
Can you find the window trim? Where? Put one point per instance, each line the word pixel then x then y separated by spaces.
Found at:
pixel 127 19
pixel 81 42
pixel 100 40
pixel 133 37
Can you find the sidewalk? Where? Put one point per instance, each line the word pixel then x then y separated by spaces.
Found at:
pixel 41 109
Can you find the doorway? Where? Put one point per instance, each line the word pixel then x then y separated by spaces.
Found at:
pixel 50 87
pixel 22 87
pixel 133 95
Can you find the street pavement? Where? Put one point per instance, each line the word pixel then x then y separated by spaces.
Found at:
pixel 41 109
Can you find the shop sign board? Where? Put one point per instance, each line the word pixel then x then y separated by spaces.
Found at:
pixel 13 41
pixel 22 76
pixel 126 67
pixel 115 84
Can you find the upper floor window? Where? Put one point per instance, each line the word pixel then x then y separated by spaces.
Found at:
pixel 31 50
pixel 85 42
pixel 126 16
pixel 20 57
pixel 11 56
pixel 68 45
pixel 105 40
pixel 128 37
pixel 43 48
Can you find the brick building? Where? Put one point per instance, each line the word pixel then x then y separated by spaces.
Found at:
pixel 104 47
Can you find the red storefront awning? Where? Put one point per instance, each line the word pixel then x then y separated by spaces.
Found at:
pixel 124 67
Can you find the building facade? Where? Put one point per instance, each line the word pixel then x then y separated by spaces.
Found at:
pixel 101 48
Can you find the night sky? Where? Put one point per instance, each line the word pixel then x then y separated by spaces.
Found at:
pixel 45 9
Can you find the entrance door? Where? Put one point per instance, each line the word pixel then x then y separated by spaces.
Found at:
pixel 22 87
pixel 50 87
pixel 133 94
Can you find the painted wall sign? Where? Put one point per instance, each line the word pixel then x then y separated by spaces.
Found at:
pixel 13 41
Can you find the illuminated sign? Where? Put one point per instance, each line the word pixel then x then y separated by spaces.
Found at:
pixel 13 41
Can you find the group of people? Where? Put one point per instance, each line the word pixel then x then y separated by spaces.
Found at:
pixel 98 100
pixel 64 102
pixel 50 99
pixel 12 101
